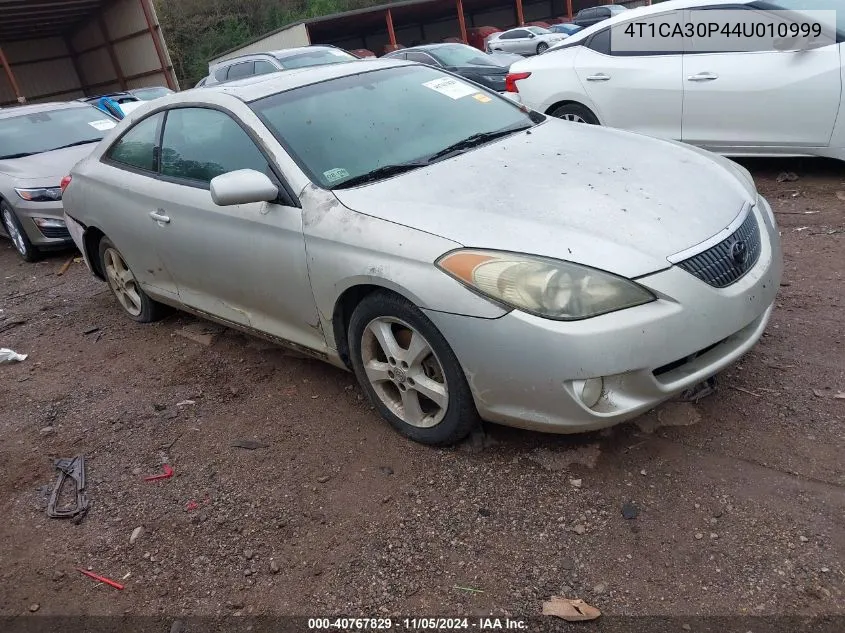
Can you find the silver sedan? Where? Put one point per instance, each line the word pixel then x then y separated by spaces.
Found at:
pixel 467 258
pixel 524 40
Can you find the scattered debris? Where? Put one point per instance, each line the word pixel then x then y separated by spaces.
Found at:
pixel 9 324
pixel 467 589
pixel 840 395
pixel 249 445
pixel 34 607
pixel 818 393
pixel 579 529
pixel 9 356
pixel 168 473
pixel 47 430
pixel 274 567
pixel 699 391
pixel 103 579
pixel 569 609
pixel 750 393
pixel 787 176
pixel 387 470
pixel 202 333
pixel 699 536
pixel 800 228
pixel 629 510
pixel 191 506
pixel 185 403
pixel 841 195
pixel 70 469
pixel 90 330
pixel 136 534
pixel 323 479
pixel 65 267
pixel 575 483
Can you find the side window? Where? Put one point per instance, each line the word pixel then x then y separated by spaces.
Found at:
pixel 422 58
pixel 199 144
pixel 220 73
pixel 603 12
pixel 136 148
pixel 263 67
pixel 600 42
pixel 237 71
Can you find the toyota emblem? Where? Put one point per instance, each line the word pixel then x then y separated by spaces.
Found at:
pixel 739 252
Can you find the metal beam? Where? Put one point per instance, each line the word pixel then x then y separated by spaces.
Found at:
pixel 520 17
pixel 461 21
pixel 388 18
pixel 74 59
pixel 118 71
pixel 569 9
pixel 155 33
pixel 15 88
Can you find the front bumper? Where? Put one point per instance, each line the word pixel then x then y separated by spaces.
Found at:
pixel 57 236
pixel 529 372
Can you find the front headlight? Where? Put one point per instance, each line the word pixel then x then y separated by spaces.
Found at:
pixel 40 194
pixel 549 288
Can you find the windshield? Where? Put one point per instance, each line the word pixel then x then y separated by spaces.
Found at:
pixel 148 94
pixel 343 128
pixel 538 30
pixel 316 57
pixel 39 132
pixel 459 55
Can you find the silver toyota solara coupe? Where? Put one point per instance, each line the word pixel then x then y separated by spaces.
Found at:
pixel 467 258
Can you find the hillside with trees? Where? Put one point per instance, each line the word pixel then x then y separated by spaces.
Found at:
pixel 198 30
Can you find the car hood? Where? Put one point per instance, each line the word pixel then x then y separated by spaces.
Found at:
pixel 55 164
pixel 482 69
pixel 605 198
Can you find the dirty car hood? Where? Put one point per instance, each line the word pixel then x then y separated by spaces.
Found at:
pixel 605 198
pixel 57 163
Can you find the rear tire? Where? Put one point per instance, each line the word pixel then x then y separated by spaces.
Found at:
pixel 20 239
pixel 574 112
pixel 125 288
pixel 409 372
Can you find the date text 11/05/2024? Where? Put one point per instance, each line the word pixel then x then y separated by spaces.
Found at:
pixel 416 624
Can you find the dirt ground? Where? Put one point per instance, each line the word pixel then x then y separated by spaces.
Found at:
pixel 740 498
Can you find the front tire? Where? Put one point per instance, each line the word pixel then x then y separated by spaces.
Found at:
pixel 20 239
pixel 409 372
pixel 574 112
pixel 125 287
pixel 541 47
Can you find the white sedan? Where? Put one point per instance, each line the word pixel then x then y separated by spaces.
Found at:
pixel 784 101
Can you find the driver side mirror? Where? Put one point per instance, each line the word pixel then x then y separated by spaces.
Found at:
pixel 242 187
pixel 531 36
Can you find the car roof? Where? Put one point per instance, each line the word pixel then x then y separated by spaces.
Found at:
pixel 278 54
pixel 624 16
pixel 252 88
pixel 7 113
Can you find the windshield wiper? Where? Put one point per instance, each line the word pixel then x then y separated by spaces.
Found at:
pixel 473 141
pixel 85 142
pixel 381 172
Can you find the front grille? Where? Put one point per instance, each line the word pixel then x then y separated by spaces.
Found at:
pixel 56 232
pixel 730 259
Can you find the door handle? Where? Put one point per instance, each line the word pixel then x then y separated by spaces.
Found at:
pixel 598 77
pixel 159 216
pixel 703 77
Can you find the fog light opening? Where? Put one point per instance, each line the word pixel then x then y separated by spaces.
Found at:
pixel 591 391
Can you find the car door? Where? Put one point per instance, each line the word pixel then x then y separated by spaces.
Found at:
pixel 128 193
pixel 639 90
pixel 765 98
pixel 511 41
pixel 245 263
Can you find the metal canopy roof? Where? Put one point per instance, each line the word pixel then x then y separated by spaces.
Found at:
pixel 29 19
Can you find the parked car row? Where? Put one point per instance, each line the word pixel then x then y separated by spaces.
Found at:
pixel 38 146
pixel 328 209
pixel 730 102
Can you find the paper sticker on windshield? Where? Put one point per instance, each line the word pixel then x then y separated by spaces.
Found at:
pixel 102 125
pixel 338 173
pixel 450 87
pixel 481 97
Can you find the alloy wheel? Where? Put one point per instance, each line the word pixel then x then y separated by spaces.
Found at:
pixel 12 230
pixel 122 282
pixel 569 116
pixel 404 372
